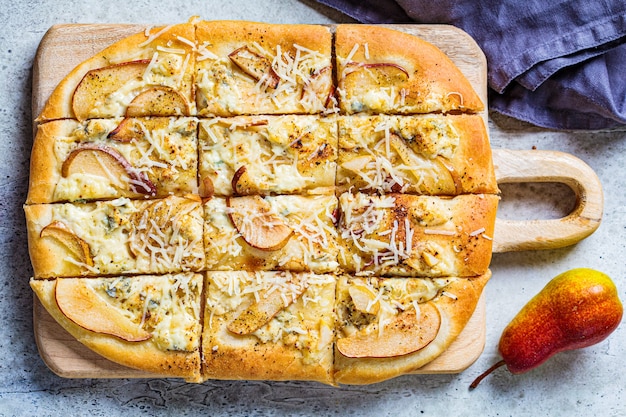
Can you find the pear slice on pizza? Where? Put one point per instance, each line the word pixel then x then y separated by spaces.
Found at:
pixel 282 232
pixel 420 154
pixel 150 323
pixel 119 236
pixel 111 158
pixel 381 70
pixel 269 326
pixel 291 154
pixel 146 74
pixel 258 68
pixel 408 235
pixel 388 327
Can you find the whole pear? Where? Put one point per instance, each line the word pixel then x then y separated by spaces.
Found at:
pixel 576 309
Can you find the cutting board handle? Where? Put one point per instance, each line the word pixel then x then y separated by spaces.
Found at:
pixel 514 166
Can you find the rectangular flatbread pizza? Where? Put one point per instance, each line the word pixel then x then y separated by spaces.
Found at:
pixel 269 326
pixel 409 235
pixel 284 232
pixel 120 236
pixel 267 155
pixel 243 200
pixel 103 159
pixel 258 68
pixel 420 154
pixel 150 322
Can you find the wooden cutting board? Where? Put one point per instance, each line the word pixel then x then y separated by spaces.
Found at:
pixel 65 46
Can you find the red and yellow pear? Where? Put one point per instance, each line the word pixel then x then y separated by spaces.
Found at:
pixel 576 309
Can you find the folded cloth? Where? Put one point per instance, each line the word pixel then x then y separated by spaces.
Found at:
pixel 556 64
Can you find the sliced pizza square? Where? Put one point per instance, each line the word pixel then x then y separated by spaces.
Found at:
pixel 418 154
pixel 146 74
pixel 111 158
pixel 283 232
pixel 381 70
pixel 119 236
pixel 258 68
pixel 410 235
pixel 388 327
pixel 150 323
pixel 269 326
pixel 267 155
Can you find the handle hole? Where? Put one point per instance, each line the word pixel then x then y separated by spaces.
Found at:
pixel 535 201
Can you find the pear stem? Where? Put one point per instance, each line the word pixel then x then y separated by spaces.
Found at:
pixel 487 372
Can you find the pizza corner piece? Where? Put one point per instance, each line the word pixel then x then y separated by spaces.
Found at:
pixel 381 70
pixel 149 322
pixel 388 327
pixel 146 74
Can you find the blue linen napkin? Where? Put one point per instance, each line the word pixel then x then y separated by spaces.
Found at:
pixel 555 63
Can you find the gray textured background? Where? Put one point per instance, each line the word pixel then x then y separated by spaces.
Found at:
pixel 584 382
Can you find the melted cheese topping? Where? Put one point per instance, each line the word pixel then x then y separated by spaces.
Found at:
pixel 304 86
pixel 281 154
pixel 372 302
pixel 164 149
pixel 397 154
pixel 379 236
pixel 166 306
pixel 313 245
pixel 127 236
pixel 306 324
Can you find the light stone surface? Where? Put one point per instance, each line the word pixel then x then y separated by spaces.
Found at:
pixel 577 383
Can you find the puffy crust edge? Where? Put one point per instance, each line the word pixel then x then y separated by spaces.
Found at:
pixel 226 34
pixel 44 167
pixel 46 259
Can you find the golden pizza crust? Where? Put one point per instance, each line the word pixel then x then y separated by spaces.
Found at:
pixel 381 70
pixel 143 355
pixel 455 307
pixel 136 158
pixel 174 38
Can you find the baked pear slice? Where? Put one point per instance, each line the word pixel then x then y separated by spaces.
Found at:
pixel 78 248
pixel 99 83
pixel 80 303
pixel 268 305
pixel 406 333
pixel 255 65
pixel 158 101
pixel 257 224
pixel 107 162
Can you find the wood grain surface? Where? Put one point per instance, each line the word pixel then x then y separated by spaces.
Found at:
pixel 65 46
